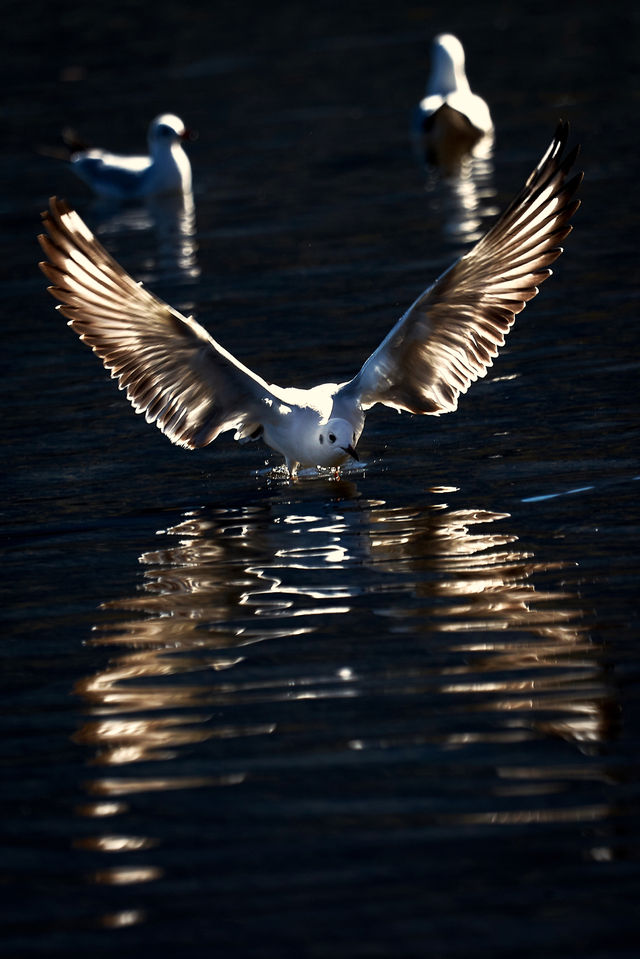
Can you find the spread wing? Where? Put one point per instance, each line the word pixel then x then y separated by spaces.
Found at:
pixel 451 334
pixel 173 371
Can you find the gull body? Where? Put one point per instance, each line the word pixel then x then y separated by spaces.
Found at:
pixel 313 428
pixel 166 168
pixel 451 121
pixel 193 389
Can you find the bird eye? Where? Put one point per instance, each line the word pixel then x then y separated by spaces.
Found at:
pixel 332 437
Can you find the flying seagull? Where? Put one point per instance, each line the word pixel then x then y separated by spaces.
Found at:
pixel 193 389
pixel 166 169
pixel 450 120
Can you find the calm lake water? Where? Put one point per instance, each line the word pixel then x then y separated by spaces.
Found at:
pixel 390 715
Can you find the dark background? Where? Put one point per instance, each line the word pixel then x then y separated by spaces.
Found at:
pixel 394 715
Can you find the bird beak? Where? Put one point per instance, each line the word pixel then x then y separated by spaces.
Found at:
pixel 189 135
pixel 351 451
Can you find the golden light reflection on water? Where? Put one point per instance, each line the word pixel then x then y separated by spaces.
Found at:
pixel 123 786
pixel 123 919
pixel 547 675
pixel 127 875
pixel 115 843
pixel 518 663
pixel 520 817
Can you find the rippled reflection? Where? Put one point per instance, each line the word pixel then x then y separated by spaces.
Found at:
pixel 441 608
pixel 527 652
pixel 171 219
pixel 465 200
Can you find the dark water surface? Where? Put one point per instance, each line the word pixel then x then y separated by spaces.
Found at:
pixel 395 714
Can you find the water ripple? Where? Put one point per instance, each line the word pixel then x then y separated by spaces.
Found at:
pixel 340 639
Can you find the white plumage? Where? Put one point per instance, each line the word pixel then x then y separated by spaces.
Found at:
pixel 193 389
pixel 166 168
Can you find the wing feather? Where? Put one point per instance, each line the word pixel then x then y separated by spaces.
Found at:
pixel 449 337
pixel 172 370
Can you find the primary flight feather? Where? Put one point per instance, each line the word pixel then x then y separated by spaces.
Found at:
pixel 193 389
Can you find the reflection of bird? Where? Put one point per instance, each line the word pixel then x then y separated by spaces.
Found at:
pixel 193 389
pixel 169 217
pixel 451 121
pixel 165 170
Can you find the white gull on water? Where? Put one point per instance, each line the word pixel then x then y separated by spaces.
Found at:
pixel 166 169
pixel 451 120
pixel 193 389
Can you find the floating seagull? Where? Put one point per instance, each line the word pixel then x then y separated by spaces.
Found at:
pixel 193 389
pixel 450 121
pixel 165 170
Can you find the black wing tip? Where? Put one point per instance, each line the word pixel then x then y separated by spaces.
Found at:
pixel 562 129
pixel 569 160
pixel 551 165
pixel 558 146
